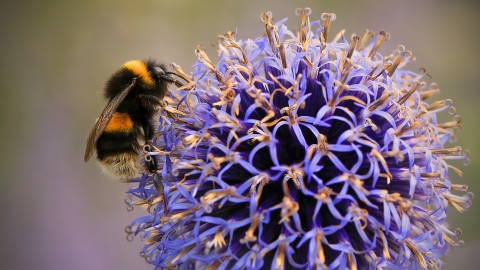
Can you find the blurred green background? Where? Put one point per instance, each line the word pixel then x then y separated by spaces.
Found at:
pixel 59 213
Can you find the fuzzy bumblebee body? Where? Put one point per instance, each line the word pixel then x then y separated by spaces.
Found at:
pixel 134 94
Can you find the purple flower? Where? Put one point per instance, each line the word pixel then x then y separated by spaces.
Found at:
pixel 302 150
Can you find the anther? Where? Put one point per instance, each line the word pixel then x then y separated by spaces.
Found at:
pixel 415 86
pixel 229 42
pixel 379 102
pixel 353 44
pixel 460 187
pixel 340 87
pixel 304 24
pixel 381 38
pixel 267 18
pixel 444 151
pixel 397 61
pixel 179 72
pixel 428 93
pixel 369 123
pixel 328 18
pixel 366 36
pixel 385 68
pixel 452 124
pixel 203 58
pixel 282 56
pixel 407 128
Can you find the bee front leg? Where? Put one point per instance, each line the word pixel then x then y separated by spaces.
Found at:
pixel 150 101
pixel 151 160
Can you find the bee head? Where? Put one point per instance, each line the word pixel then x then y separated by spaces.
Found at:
pixel 159 73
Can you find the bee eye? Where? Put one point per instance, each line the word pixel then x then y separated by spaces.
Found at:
pixel 158 71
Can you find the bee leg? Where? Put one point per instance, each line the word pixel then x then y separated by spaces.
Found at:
pixel 151 162
pixel 157 182
pixel 150 100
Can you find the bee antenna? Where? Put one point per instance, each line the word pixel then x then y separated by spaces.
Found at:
pixel 170 80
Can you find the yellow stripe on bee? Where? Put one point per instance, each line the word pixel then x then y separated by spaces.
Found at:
pixel 140 69
pixel 120 122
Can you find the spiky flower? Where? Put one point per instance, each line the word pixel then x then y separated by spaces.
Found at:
pixel 299 150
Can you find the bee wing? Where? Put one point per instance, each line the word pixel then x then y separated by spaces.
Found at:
pixel 103 120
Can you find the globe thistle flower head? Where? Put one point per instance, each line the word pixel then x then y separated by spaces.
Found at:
pixel 301 150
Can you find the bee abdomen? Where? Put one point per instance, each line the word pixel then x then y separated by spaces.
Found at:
pixel 118 148
pixel 122 166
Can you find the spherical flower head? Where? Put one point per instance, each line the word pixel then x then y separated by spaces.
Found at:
pixel 301 151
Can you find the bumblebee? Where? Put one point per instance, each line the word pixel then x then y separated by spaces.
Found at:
pixel 134 93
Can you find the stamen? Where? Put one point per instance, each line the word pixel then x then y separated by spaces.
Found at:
pixel 351 262
pixel 219 240
pixel 385 67
pixel 353 44
pixel 259 180
pixel 324 195
pixel 398 60
pixel 445 151
pixel 320 252
pixel 203 58
pixel 380 158
pixel 280 258
pixel 340 87
pixel 381 38
pixel 353 98
pixel 289 208
pixel 338 36
pixel 179 72
pixel 303 29
pixel 428 93
pixel 422 263
pixel 379 102
pixel 327 17
pixel 284 58
pixel 456 170
pixel 178 216
pixel 415 86
pixel 250 233
pixel 431 175
pixel 407 128
pixel 182 253
pixel 230 43
pixel 453 124
pixel 289 111
pixel 457 202
pixel 396 198
pixel 215 264
pixel 213 196
pixel 359 214
pixel 386 252
pixel 369 123
pixel 366 36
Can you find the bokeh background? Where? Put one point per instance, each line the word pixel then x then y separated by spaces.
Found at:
pixel 56 212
